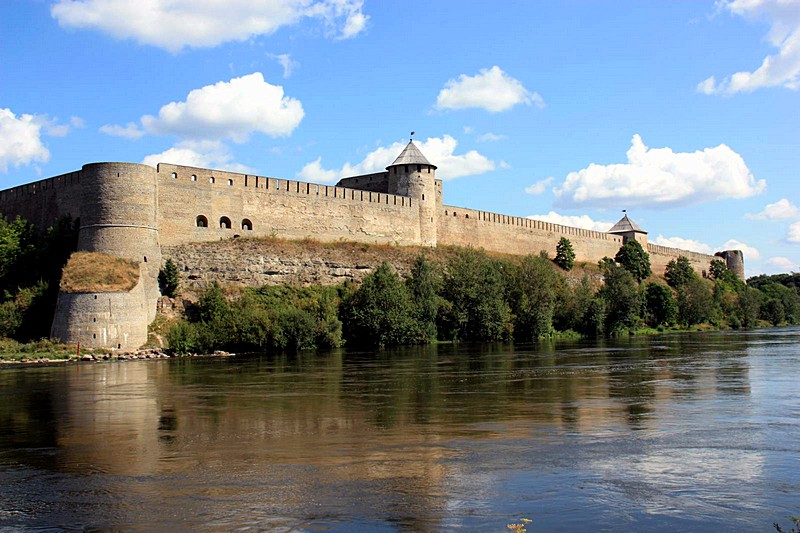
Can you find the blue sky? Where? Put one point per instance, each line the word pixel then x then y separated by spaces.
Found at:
pixel 684 113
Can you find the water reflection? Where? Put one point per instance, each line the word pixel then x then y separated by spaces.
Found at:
pixel 414 439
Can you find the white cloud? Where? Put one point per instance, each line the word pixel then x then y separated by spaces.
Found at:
pixel 784 264
pixel 491 137
pixel 440 151
pixel 203 154
pixel 491 89
pixel 285 61
pixel 683 244
pixel 20 140
pixel 77 122
pixel 576 221
pixel 128 131
pixel 176 24
pixel 539 187
pixel 779 70
pixel 661 177
pixel 228 109
pixel 794 233
pixel 750 252
pixel 781 210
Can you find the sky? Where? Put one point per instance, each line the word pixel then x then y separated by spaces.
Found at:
pixel 684 113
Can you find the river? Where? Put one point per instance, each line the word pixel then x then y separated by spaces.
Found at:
pixel 680 432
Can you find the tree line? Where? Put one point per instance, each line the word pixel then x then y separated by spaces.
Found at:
pixel 474 297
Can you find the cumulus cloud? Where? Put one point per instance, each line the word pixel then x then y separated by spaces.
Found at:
pixel 750 252
pixel 683 244
pixel 539 187
pixel 576 221
pixel 784 264
pixel 285 61
pixel 128 131
pixel 440 151
pixel 783 209
pixel 794 233
pixel 226 110
pixel 778 70
pixel 176 24
pixel 203 154
pixel 661 177
pixel 20 140
pixel 490 89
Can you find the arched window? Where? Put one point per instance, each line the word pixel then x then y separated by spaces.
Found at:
pixel 230 182
pixel 174 175
pixel 202 221
pixel 247 225
pixel 225 223
pixel 194 177
pixel 211 179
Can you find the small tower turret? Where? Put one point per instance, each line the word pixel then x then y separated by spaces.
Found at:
pixel 629 231
pixel 414 176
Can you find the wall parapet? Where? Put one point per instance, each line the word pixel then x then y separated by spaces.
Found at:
pixel 29 189
pixel 523 222
pixel 222 179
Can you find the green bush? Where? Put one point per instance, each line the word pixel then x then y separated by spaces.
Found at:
pixel 679 273
pixel 533 296
pixel 634 259
pixel 168 279
pixel 661 309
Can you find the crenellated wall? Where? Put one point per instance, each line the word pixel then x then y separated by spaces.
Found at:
pixel 132 210
pixel 516 235
pixel 274 207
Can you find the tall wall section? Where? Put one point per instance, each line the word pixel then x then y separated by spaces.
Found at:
pixel 42 202
pixel 661 255
pixel 516 235
pixel 257 206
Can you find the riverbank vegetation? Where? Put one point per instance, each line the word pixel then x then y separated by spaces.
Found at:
pixel 475 297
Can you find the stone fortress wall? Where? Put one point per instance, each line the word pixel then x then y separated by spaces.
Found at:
pixel 134 211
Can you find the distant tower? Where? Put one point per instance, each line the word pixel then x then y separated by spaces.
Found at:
pixel 414 176
pixel 734 260
pixel 629 230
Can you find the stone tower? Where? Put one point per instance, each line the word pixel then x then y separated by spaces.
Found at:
pixel 119 213
pixel 630 231
pixel 414 176
pixel 734 260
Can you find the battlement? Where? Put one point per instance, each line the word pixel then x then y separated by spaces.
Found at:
pixel 133 211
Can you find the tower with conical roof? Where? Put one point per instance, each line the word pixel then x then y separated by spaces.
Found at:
pixel 414 176
pixel 629 230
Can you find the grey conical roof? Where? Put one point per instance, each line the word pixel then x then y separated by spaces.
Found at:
pixel 411 156
pixel 625 225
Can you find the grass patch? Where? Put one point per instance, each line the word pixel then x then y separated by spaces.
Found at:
pixel 96 272
pixel 11 350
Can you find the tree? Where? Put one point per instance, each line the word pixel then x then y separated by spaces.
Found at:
pixel 533 298
pixel 621 297
pixel 695 302
pixel 168 279
pixel 634 259
pixel 718 271
pixel 423 285
pixel 475 308
pixel 379 312
pixel 565 255
pixel 679 272
pixel 660 305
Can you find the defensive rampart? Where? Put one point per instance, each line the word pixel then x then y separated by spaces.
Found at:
pixel 132 210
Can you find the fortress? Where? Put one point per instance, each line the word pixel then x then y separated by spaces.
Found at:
pixel 134 211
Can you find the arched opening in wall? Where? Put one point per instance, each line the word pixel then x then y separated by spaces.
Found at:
pixel 423 196
pixel 174 175
pixel 194 177
pixel 230 183
pixel 202 221
pixel 225 223
pixel 247 225
pixel 211 179
pixel 145 259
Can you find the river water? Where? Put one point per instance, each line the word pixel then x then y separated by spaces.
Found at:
pixel 684 432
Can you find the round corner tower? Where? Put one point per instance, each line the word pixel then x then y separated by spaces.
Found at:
pixel 119 213
pixel 414 176
pixel 734 260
